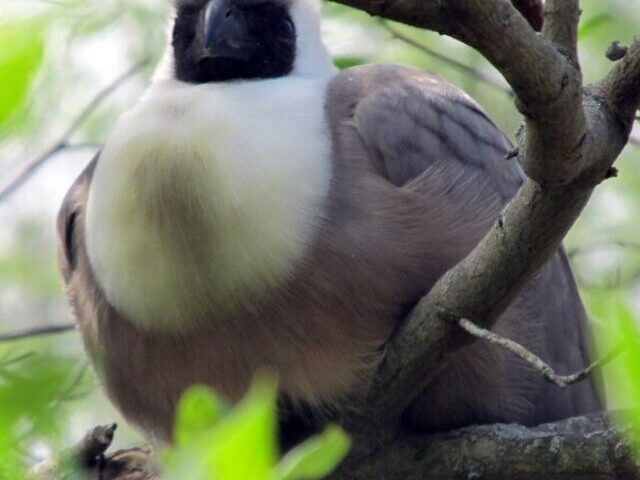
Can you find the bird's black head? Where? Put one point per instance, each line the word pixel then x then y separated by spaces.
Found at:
pixel 224 40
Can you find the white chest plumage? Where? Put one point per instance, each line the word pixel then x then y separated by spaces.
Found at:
pixel 205 196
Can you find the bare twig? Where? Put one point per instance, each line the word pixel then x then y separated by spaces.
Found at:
pixel 533 360
pixel 37 332
pixel 473 72
pixel 28 169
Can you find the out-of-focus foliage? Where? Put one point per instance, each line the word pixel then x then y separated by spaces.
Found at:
pixel 214 442
pixel 33 390
pixel 21 51
pixel 65 51
pixel 618 324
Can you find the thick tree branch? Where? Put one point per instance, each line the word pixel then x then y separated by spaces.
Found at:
pixel 581 447
pixel 464 68
pixel 620 89
pixel 493 27
pixel 561 18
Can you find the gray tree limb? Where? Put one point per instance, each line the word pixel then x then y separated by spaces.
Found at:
pixel 579 448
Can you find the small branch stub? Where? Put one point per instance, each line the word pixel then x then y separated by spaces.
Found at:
pixel 616 51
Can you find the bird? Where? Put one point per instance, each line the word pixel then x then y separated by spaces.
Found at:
pixel 258 208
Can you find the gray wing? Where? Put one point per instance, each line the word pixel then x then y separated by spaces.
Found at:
pixel 425 135
pixel 419 123
pixel 68 221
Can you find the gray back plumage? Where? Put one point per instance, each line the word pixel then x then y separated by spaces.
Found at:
pixel 426 137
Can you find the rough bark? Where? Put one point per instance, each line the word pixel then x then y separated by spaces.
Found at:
pixel 579 448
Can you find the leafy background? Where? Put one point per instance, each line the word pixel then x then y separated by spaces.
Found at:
pixel 57 55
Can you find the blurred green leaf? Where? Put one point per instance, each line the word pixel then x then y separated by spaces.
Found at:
pixel 629 388
pixel 214 442
pixel 242 445
pixel 21 52
pixel 199 410
pixel 11 464
pixel 348 62
pixel 32 388
pixel 619 324
pixel 29 389
pixel 591 25
pixel 316 458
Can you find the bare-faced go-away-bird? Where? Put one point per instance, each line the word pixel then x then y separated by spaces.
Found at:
pixel 259 209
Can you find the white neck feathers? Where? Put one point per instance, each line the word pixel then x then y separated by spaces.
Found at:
pixel 205 196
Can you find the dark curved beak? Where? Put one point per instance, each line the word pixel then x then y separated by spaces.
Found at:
pixel 224 32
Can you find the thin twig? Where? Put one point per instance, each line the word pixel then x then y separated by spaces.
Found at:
pixel 474 72
pixel 36 332
pixel 28 169
pixel 533 360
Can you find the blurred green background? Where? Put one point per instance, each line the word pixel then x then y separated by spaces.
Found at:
pixel 56 56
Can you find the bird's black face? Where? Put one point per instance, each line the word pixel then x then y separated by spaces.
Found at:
pixel 224 40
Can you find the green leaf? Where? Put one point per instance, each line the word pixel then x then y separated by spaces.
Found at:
pixel 619 324
pixel 347 62
pixel 242 445
pixel 316 458
pixel 245 445
pixel 594 23
pixel 29 388
pixel 21 52
pixel 32 389
pixel 629 387
pixel 198 411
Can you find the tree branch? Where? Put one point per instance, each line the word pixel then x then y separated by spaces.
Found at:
pixel 620 89
pixel 561 19
pixel 533 360
pixel 473 72
pixel 28 169
pixel 36 332
pixel 581 447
